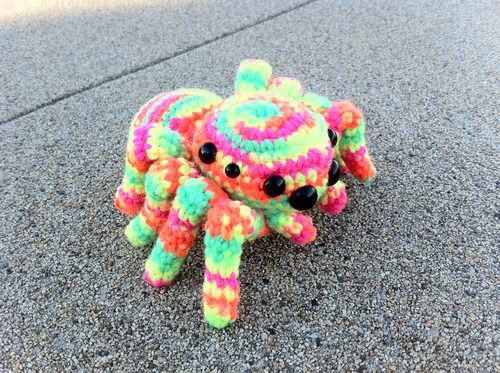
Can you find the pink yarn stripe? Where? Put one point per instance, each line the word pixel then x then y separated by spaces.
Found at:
pixel 232 281
pixel 314 159
pixel 157 211
pixel 163 106
pixel 350 156
pixel 334 120
pixel 139 198
pixel 140 138
pixel 335 205
pixel 306 235
pixel 145 109
pixel 177 123
pixel 176 222
pixel 158 283
pixel 291 126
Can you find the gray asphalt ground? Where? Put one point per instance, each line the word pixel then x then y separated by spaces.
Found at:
pixel 407 279
pixel 45 58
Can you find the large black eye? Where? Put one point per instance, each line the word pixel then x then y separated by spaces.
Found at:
pixel 207 152
pixel 333 173
pixel 333 136
pixel 303 198
pixel 274 186
pixel 232 170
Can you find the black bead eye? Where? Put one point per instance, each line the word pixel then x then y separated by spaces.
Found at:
pixel 232 170
pixel 207 152
pixel 333 137
pixel 274 186
pixel 303 198
pixel 333 173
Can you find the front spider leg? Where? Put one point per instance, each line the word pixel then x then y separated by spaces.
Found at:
pixel 229 224
pixel 334 200
pixel 349 122
pixel 146 144
pixel 297 227
pixel 178 234
pixel 162 181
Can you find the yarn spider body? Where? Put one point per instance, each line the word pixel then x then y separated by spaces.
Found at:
pixel 244 165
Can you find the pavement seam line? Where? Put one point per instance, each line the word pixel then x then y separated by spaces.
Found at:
pixel 114 77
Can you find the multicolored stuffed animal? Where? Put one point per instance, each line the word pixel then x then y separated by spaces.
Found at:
pixel 246 165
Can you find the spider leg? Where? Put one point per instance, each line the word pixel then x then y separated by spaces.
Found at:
pixel 334 200
pixel 178 234
pixel 349 123
pixel 162 181
pixel 297 227
pixel 147 143
pixel 229 224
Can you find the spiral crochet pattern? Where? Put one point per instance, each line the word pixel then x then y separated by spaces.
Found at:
pixel 265 134
pixel 246 165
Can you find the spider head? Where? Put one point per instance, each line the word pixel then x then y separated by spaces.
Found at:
pixel 267 150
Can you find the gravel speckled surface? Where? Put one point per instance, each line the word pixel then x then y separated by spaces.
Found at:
pixel 406 279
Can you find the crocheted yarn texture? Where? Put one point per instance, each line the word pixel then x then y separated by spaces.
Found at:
pixel 245 165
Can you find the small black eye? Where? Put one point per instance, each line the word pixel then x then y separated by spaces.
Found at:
pixel 333 173
pixel 232 170
pixel 207 152
pixel 333 137
pixel 303 198
pixel 274 186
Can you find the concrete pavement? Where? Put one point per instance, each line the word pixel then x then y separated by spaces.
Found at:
pixel 405 280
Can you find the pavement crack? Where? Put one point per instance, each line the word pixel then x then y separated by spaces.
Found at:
pixel 157 61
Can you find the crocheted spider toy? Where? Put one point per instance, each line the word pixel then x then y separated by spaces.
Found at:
pixel 245 165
